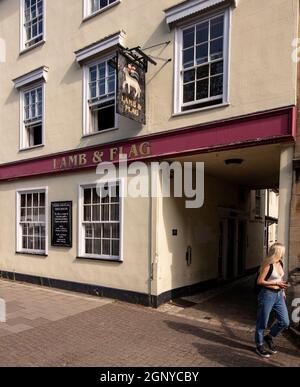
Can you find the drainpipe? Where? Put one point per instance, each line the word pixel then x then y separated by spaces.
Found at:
pixel 153 236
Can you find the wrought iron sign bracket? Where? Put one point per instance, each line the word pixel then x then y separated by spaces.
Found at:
pixel 137 56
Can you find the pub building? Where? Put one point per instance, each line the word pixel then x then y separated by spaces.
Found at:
pixel 207 81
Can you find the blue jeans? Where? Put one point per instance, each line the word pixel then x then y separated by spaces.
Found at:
pixel 269 300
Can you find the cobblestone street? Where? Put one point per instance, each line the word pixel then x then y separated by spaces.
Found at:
pixel 46 327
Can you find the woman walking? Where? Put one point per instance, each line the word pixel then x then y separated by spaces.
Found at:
pixel 271 298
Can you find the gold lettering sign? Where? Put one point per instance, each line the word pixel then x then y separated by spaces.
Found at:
pixel 97 157
pixel 112 154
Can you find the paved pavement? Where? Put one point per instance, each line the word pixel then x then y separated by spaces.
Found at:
pixel 46 327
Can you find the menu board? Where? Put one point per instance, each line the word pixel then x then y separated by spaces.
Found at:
pixel 61 224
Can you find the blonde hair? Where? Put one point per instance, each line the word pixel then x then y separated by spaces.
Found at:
pixel 276 253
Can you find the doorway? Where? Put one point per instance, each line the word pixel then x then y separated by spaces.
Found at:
pixel 232 246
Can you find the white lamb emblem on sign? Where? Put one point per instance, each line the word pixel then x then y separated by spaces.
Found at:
pixel 130 82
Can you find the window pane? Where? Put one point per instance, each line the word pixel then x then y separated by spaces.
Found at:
pixel 116 231
pixel 23 214
pixel 188 57
pixel 87 213
pixel 29 200
pixel 35 214
pixel 88 231
pixel 42 215
pixel 42 199
pixel 105 199
pixel 189 92
pixel 30 243
pixel 93 74
pixel 189 37
pixel 106 231
pixel 24 243
pixel 217 27
pixel 89 246
pixel 97 246
pixel 36 243
pixel 202 33
pixel 23 200
pixel 216 86
pixel 216 49
pixel 96 197
pixel 96 213
pixel 111 70
pixel 93 90
pixel 87 196
pixel 189 76
pixel 202 53
pixel 203 72
pixel 216 68
pixel 101 86
pixel 29 215
pixel 202 89
pixel 40 27
pixel 30 230
pixel 35 199
pixel 114 194
pixel 103 3
pixel 102 70
pixel 116 248
pixel 97 230
pixel 106 247
pixel 111 85
pixel 114 212
pixel 43 244
pixel 105 212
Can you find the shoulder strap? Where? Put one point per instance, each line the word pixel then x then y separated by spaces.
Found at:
pixel 269 272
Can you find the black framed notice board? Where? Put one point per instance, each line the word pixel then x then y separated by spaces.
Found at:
pixel 61 224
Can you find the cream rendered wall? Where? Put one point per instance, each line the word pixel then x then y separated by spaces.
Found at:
pixel 61 263
pixel 262 75
pixel 196 228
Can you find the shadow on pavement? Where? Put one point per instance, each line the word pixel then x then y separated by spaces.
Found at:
pixel 229 358
pixel 231 340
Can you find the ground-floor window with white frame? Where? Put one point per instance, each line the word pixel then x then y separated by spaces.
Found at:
pixel 100 221
pixel 32 221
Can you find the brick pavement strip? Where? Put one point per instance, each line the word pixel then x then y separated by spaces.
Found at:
pixel 118 334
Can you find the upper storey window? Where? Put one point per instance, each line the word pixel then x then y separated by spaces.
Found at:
pixel 202 36
pixel 93 7
pixel 33 18
pixel 100 4
pixel 101 96
pixel 32 102
pixel 202 63
pixel 99 80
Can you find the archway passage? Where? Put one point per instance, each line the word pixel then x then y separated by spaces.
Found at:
pixel 227 238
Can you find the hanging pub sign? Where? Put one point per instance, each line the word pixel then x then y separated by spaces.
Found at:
pixel 61 224
pixel 131 88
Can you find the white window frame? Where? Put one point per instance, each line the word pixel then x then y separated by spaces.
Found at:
pixel 178 73
pixel 19 235
pixel 23 40
pixel 23 134
pixel 87 9
pixel 81 236
pixel 86 109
